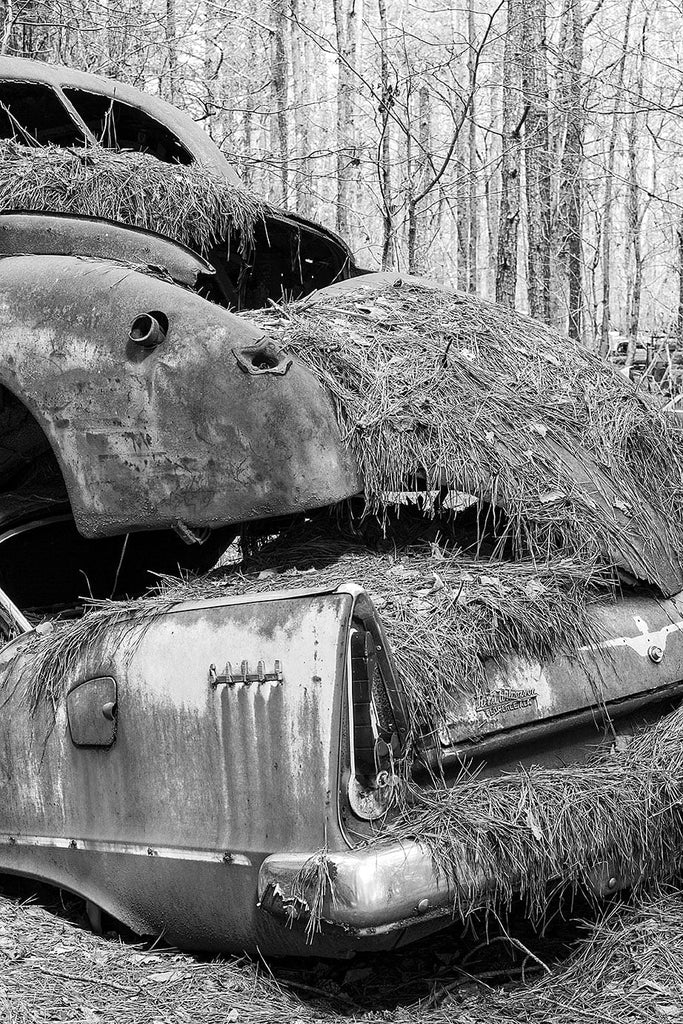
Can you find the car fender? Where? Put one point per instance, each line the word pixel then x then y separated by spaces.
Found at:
pixel 204 425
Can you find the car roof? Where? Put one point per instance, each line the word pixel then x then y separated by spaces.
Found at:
pixel 58 77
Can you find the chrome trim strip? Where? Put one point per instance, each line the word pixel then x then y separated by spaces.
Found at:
pixel 135 849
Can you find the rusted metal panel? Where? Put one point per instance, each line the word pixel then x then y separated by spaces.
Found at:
pixel 150 437
pixel 203 780
pixel 642 653
pixel 54 234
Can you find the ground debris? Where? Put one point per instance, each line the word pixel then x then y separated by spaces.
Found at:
pixel 627 967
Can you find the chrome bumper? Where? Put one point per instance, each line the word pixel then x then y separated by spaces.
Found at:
pixel 371 890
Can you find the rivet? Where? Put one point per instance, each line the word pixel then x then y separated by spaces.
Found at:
pixel 655 653
pixel 423 906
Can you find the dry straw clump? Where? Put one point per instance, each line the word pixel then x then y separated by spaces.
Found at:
pixel 187 203
pixel 433 387
pixel 628 970
pixel 444 615
pixel 535 827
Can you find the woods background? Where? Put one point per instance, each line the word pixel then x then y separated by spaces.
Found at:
pixel 528 150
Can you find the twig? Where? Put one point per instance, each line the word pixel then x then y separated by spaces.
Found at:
pixel 85 978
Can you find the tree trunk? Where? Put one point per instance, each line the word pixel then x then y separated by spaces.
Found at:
pixel 472 203
pixel 279 76
pixel 679 318
pixel 572 157
pixel 508 217
pixel 386 101
pixel 300 45
pixel 462 211
pixel 418 174
pixel 345 24
pixel 609 181
pixel 634 260
pixel 171 50
pixel 537 156
pixel 7 26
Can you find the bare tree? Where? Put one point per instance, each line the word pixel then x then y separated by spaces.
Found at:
pixel 634 260
pixel 609 187
pixel 280 90
pixel 346 13
pixel 571 201
pixel 508 217
pixel 385 110
pixel 537 156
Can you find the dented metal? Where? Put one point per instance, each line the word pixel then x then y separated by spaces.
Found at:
pixel 177 433
pixel 174 816
pixel 521 693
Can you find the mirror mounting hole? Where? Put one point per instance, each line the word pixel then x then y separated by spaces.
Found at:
pixel 149 329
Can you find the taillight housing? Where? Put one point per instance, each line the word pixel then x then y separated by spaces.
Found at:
pixel 376 715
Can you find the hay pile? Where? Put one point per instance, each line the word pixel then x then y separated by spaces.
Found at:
pixel 187 203
pixel 442 388
pixel 628 969
pixel 535 827
pixel 445 615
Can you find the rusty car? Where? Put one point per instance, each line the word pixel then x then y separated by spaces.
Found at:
pixel 169 791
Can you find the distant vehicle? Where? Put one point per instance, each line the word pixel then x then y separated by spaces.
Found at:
pixel 185 779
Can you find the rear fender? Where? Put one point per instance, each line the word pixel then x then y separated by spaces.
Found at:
pixel 179 756
pixel 177 433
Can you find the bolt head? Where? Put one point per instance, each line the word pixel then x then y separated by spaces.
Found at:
pixel 655 653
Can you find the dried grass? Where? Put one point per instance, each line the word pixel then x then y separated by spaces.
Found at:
pixel 438 387
pixel 627 970
pixel 538 827
pixel 187 203
pixel 444 614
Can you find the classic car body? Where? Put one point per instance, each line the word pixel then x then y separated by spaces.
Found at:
pixel 193 770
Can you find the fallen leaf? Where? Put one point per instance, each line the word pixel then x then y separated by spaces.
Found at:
pixel 534 588
pixel 144 958
pixel 533 825
pixel 162 977
pixel 551 496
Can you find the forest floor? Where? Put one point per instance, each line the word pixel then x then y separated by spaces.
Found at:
pixel 625 967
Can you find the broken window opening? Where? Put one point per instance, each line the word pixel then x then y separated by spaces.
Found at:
pixel 33 115
pixel 288 260
pixel 120 126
